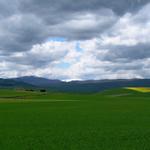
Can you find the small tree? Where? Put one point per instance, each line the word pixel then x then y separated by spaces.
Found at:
pixel 42 90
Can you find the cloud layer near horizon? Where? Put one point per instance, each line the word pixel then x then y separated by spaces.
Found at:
pixel 92 39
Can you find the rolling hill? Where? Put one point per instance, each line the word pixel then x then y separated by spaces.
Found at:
pixel 72 86
pixel 10 83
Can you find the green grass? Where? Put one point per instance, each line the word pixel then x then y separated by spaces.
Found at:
pixel 113 120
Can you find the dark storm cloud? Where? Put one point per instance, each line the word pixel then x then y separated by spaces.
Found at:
pixel 44 6
pixel 126 53
pixel 19 32
pixel 8 7
pixel 25 23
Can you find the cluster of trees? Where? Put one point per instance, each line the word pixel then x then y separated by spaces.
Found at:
pixel 41 90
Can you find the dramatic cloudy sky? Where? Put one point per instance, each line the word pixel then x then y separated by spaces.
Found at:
pixel 75 39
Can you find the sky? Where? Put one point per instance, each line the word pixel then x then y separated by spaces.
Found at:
pixel 75 40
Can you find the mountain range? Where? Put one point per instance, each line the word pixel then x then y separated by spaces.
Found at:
pixel 33 82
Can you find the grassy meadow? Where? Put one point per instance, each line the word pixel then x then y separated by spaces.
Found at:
pixel 117 119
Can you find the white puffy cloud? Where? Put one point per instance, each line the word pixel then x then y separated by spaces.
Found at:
pixel 130 29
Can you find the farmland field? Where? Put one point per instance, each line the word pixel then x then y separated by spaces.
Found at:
pixel 140 89
pixel 113 120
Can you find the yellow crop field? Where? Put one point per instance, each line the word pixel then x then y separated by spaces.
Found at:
pixel 139 89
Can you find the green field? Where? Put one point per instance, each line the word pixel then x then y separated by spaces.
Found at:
pixel 113 120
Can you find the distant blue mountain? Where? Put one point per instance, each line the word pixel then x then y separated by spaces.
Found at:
pixel 82 86
pixel 10 83
pixel 88 86
pixel 37 81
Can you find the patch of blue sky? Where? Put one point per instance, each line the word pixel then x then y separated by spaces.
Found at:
pixel 78 59
pixel 78 47
pixel 63 65
pixel 57 39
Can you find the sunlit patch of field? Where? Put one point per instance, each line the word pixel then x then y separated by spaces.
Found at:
pixel 139 89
